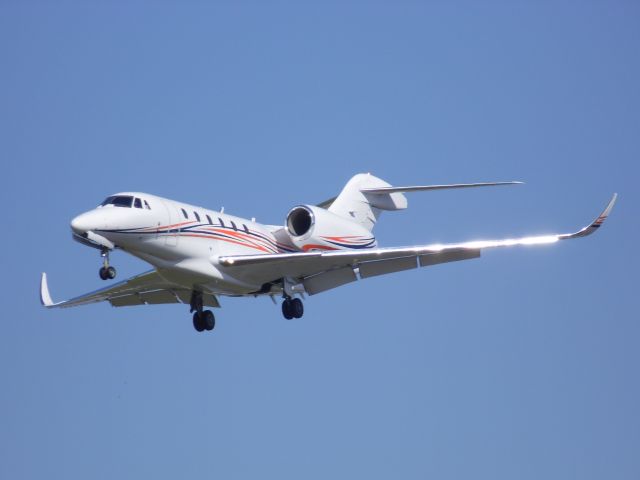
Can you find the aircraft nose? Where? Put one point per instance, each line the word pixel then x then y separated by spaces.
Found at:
pixel 83 223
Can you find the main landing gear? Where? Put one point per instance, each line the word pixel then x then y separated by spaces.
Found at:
pixel 106 271
pixel 202 319
pixel 292 308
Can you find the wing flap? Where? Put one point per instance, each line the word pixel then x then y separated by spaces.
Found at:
pixel 328 280
pixel 125 301
pixel 382 267
pixel 159 296
pixel 448 256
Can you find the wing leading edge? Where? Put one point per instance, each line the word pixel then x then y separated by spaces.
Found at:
pixel 320 271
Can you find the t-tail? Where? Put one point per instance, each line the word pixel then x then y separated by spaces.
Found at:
pixel 365 196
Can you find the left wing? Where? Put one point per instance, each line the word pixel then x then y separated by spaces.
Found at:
pixel 146 288
pixel 320 271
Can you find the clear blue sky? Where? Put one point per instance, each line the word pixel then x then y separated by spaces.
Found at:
pixel 523 364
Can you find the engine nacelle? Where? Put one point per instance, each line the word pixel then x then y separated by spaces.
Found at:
pixel 314 228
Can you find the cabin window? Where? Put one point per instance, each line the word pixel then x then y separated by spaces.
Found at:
pixel 221 222
pixel 118 201
pixel 146 205
pixel 197 216
pixel 233 225
pixel 137 203
pixel 209 220
pixel 184 212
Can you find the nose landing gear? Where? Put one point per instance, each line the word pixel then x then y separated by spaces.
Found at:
pixel 106 271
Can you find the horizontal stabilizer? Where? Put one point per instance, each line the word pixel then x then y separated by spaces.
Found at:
pixel 419 188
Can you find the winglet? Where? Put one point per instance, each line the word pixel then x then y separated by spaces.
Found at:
pixel 45 297
pixel 593 226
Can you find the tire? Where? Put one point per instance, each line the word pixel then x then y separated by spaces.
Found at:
pixel 198 324
pixel 286 309
pixel 103 273
pixel 111 273
pixel 208 320
pixel 297 308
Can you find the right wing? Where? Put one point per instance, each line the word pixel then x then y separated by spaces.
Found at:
pixel 320 271
pixel 143 289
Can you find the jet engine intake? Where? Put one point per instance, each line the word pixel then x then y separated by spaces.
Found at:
pixel 313 228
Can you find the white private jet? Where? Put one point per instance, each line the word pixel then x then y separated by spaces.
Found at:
pixel 200 254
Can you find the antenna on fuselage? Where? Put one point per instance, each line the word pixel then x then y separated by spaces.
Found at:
pixel 222 210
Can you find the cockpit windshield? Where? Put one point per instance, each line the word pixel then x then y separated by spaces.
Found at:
pixel 118 201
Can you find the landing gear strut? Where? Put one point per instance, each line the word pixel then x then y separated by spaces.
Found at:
pixel 202 319
pixel 292 308
pixel 106 271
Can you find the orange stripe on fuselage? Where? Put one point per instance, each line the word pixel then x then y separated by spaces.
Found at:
pixel 208 237
pixel 253 239
pixel 171 226
pixel 342 239
pixel 312 246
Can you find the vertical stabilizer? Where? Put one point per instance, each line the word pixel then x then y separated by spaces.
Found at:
pixel 365 208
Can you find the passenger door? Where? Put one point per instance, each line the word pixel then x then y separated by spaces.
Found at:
pixel 170 230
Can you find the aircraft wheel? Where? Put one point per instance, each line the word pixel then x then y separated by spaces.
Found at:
pixel 198 324
pixel 111 273
pixel 287 309
pixel 208 320
pixel 103 273
pixel 297 308
pixel 107 273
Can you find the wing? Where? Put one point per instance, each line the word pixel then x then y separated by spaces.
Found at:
pixel 143 289
pixel 320 271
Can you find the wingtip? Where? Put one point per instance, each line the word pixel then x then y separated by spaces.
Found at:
pixel 595 225
pixel 45 296
pixel 605 213
pixel 612 202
